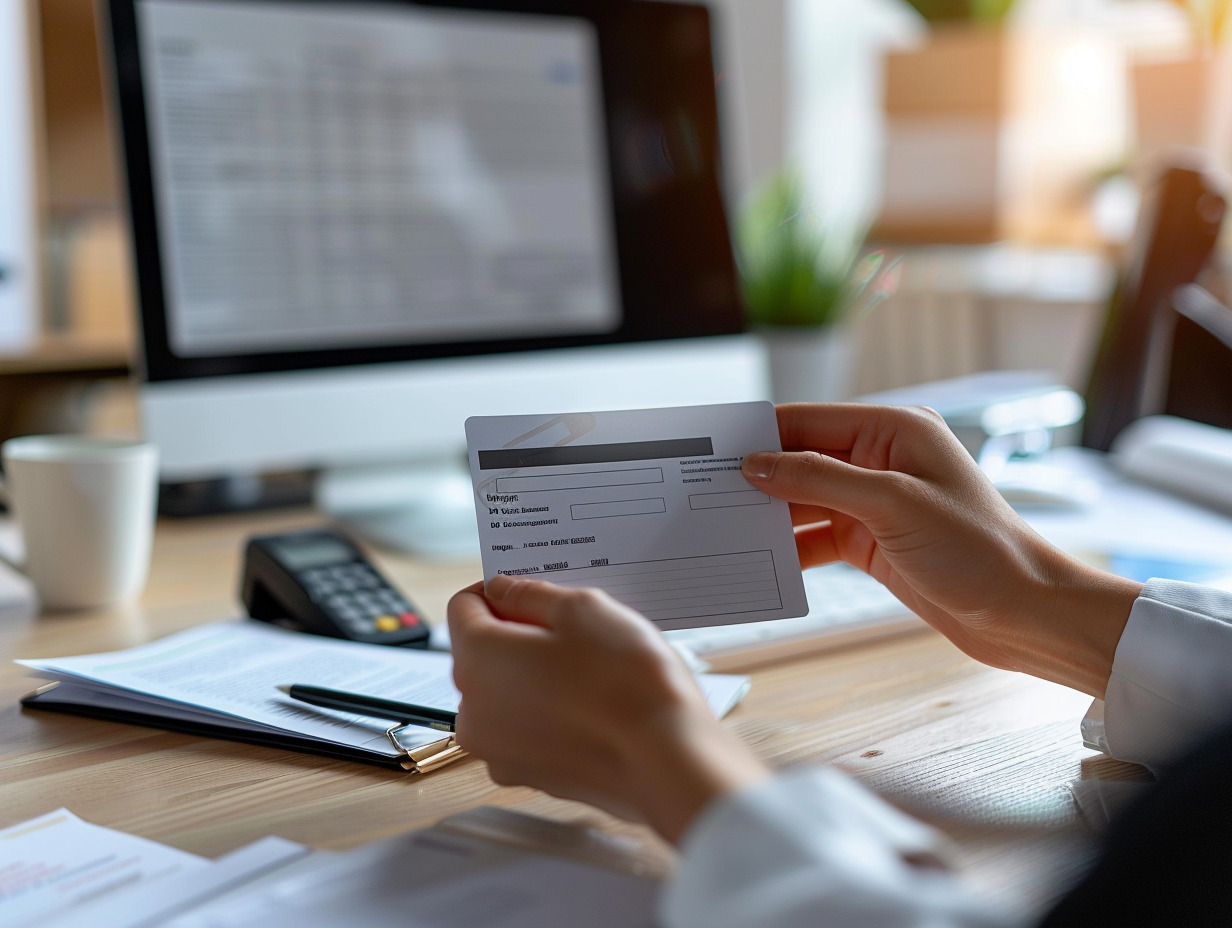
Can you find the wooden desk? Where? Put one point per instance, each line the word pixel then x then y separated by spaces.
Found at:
pixel 985 754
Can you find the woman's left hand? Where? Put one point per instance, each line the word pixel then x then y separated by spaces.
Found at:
pixel 573 693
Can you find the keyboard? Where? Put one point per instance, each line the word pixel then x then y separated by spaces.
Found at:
pixel 846 606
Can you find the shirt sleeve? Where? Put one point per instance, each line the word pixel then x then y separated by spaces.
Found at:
pixel 814 848
pixel 1171 678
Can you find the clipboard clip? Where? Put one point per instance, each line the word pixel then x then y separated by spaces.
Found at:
pixel 425 758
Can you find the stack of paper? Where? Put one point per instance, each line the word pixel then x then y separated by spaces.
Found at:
pixel 57 871
pixel 56 868
pixel 221 680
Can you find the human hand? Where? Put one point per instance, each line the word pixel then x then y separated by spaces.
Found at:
pixel 891 491
pixel 573 693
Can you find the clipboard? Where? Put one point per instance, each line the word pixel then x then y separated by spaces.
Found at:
pixel 70 699
pixel 220 680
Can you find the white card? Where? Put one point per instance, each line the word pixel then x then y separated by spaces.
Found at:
pixel 647 504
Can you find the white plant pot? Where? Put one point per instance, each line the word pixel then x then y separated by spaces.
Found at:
pixel 810 365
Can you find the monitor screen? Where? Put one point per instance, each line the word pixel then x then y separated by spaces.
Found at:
pixel 318 183
pixel 357 223
pixel 357 175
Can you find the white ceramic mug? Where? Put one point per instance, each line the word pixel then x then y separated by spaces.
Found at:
pixel 86 510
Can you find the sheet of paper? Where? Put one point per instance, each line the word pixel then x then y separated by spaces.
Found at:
pixel 152 903
pixel 647 504
pixel 57 871
pixel 723 691
pixel 433 880
pixel 234 667
pixel 55 862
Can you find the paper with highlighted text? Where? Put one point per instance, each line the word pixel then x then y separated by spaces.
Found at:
pixel 647 504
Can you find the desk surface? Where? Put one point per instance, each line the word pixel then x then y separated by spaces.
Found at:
pixel 986 755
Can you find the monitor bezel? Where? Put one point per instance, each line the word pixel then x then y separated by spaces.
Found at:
pixel 654 282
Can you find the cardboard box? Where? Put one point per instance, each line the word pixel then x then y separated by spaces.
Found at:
pixel 1182 103
pixel 998 134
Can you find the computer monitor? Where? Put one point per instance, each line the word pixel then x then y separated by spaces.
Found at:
pixel 356 224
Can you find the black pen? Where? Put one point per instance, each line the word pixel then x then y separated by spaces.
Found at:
pixel 373 706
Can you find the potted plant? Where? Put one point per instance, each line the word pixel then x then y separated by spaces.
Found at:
pixel 803 279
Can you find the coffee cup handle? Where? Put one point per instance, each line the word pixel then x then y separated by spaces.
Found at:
pixel 6 500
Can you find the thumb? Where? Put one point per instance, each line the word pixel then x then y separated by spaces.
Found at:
pixel 526 601
pixel 818 480
pixel 472 612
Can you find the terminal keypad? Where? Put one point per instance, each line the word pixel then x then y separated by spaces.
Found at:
pixel 360 599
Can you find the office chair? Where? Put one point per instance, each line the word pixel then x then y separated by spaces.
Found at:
pixel 1199 382
pixel 1159 352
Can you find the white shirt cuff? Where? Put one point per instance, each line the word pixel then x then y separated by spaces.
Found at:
pixel 1171 677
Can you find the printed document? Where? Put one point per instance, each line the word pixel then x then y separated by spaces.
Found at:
pixel 647 504
pixel 230 671
pixel 57 861
pixel 433 879
pixel 225 676
pixel 57 871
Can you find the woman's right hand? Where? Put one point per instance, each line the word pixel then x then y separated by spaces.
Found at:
pixel 891 491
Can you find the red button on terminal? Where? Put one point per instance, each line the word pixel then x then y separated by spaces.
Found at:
pixel 409 619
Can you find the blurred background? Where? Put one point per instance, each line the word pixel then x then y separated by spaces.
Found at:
pixel 965 178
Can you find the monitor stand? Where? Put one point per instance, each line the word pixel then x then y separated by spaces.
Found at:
pixel 425 508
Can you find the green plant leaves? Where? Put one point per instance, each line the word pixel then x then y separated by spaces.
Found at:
pixel 794 271
pixel 978 11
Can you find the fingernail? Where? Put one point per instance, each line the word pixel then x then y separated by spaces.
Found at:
pixel 760 464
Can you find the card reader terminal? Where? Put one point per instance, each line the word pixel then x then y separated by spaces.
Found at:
pixel 318 581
